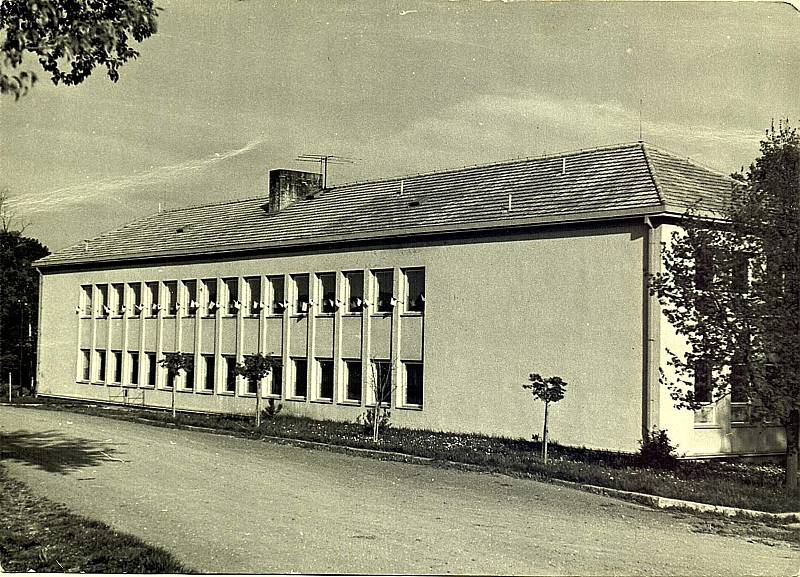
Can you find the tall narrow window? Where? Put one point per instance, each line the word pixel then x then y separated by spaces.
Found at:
pixel 740 273
pixel 210 302
pixel 133 358
pixel 119 298
pixel 136 295
pixel 117 372
pixel 413 388
pixel 230 374
pixel 152 294
pixel 702 392
pixel 325 376
pixel 384 291
pixel 300 370
pixel 86 361
pixel 170 380
pixel 278 295
pixel 102 300
pixel 232 294
pixel 188 377
pixel 327 292
pixel 210 374
pixel 415 289
pixel 353 370
pixel 354 281
pixel 171 296
pixel 300 282
pixel 381 382
pixel 253 299
pixel 152 369
pixel 191 297
pixel 86 300
pixel 276 380
pixel 101 366
pixel 703 268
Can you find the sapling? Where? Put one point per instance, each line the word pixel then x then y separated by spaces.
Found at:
pixel 175 363
pixel 255 368
pixel 548 390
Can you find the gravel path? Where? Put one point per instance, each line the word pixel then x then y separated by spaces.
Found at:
pixel 223 504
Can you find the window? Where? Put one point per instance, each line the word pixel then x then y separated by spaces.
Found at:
pixel 133 358
pixel 325 383
pixel 300 283
pixel 117 371
pixel 278 300
pixel 702 392
pixel 415 289
pixel 327 292
pixel 384 291
pixel 353 378
pixel 152 369
pixel 740 273
pixel 136 291
pixel 152 293
pixel 413 388
pixel 300 371
pixel 381 383
pixel 188 377
pixel 101 366
pixel 119 298
pixel 102 300
pixel 703 269
pixel 171 295
pixel 191 297
pixel 230 374
pixel 276 379
pixel 170 380
pixel 354 282
pixel 86 360
pixel 210 375
pixel 253 298
pixel 86 300
pixel 232 294
pixel 210 302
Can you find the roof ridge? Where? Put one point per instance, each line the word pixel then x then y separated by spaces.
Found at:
pixel 656 181
pixel 517 160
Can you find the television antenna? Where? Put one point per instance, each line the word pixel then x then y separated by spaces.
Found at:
pixel 324 160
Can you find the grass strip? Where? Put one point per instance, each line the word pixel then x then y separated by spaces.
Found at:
pixel 39 535
pixel 727 483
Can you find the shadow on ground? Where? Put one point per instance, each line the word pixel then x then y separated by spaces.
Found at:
pixel 53 451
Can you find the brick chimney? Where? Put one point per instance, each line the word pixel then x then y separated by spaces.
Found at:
pixel 288 186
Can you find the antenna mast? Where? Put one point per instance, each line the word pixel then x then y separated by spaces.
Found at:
pixel 640 119
pixel 324 160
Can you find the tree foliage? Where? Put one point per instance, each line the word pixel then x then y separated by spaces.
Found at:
pixel 731 287
pixel 69 38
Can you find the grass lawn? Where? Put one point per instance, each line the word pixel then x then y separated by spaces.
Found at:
pixel 733 484
pixel 39 535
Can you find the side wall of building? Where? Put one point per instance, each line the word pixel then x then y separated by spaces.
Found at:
pixel 565 302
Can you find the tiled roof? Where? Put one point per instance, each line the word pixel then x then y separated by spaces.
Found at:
pixel 631 179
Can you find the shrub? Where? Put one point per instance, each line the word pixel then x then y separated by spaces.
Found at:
pixel 365 420
pixel 657 451
pixel 271 410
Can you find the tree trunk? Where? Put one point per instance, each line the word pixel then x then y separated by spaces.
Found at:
pixel 544 434
pixel 258 404
pixel 174 386
pixel 375 422
pixel 792 451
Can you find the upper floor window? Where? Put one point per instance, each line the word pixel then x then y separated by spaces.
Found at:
pixel 86 300
pixel 277 295
pixel 152 293
pixel 136 295
pixel 327 292
pixel 384 290
pixel 232 293
pixel 191 297
pixel 252 301
pixel 210 302
pixel 102 300
pixel 354 284
pixel 301 300
pixel 415 289
pixel 118 291
pixel 171 297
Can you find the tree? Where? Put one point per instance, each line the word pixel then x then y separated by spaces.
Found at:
pixel 69 38
pixel 175 363
pixel 255 369
pixel 731 287
pixel 381 387
pixel 548 390
pixel 19 297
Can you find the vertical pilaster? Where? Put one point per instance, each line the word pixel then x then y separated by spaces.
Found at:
pixel 338 388
pixel 285 359
pixel 397 290
pixel 315 298
pixel 366 338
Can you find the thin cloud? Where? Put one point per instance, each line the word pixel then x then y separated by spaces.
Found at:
pixel 112 187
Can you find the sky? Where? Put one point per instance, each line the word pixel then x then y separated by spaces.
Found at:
pixel 228 90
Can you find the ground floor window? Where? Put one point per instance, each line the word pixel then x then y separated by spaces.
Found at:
pixel 86 362
pixel 230 374
pixel 117 370
pixel 325 379
pixel 413 384
pixel 133 360
pixel 101 366
pixel 381 382
pixel 208 369
pixel 152 369
pixel 276 380
pixel 188 377
pixel 352 369
pixel 300 370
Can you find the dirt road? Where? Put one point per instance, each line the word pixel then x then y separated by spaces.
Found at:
pixel 223 504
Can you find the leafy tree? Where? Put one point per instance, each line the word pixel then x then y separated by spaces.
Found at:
pixel 175 363
pixel 19 298
pixel 255 369
pixel 731 287
pixel 69 38
pixel 548 390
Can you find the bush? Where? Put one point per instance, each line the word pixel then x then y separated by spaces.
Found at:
pixel 365 420
pixel 657 451
pixel 271 410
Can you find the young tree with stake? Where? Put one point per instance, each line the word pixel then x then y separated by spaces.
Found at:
pixel 548 390
pixel 175 363
pixel 255 369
